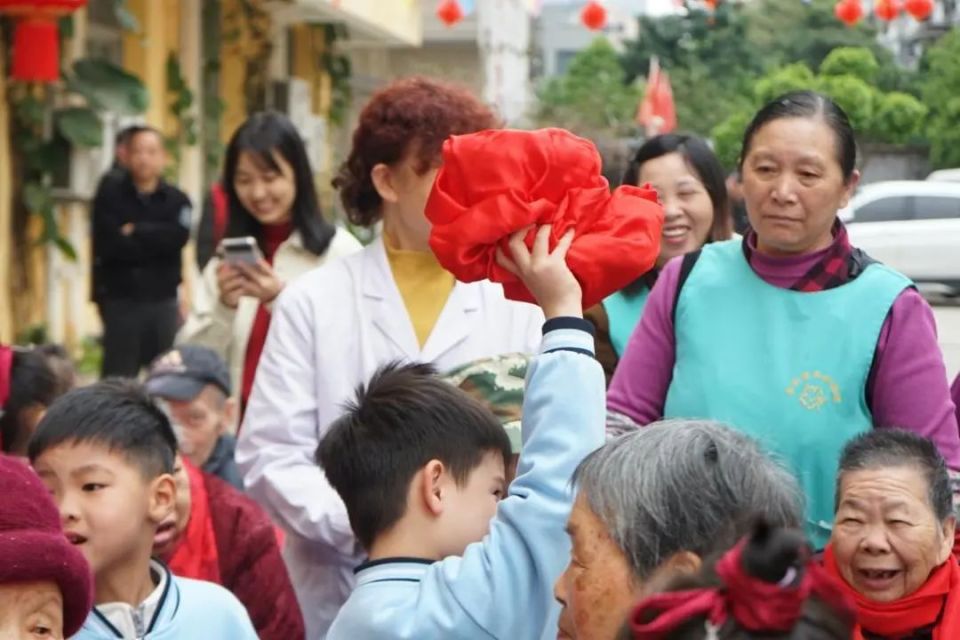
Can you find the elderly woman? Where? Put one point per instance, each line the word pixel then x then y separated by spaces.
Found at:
pixel 650 505
pixel 892 540
pixel 792 336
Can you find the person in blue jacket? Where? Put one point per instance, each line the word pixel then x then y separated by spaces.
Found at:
pixel 420 467
pixel 106 454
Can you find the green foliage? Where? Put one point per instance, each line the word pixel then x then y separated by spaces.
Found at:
pixel 180 103
pixel 338 66
pixel 80 125
pixel 728 137
pixel 899 117
pixel 793 77
pixel 941 93
pixel 854 96
pixel 858 62
pixel 107 87
pixel 593 95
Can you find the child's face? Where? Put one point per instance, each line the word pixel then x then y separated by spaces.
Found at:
pixel 31 611
pixel 108 509
pixel 468 509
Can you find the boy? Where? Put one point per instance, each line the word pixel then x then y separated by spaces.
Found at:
pixel 220 535
pixel 106 454
pixel 195 384
pixel 420 467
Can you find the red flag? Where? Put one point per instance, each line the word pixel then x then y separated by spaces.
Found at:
pixel 657 113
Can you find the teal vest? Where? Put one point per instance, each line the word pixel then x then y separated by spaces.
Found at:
pixel 623 314
pixel 788 368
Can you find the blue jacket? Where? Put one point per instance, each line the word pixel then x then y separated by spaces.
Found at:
pixel 188 610
pixel 501 587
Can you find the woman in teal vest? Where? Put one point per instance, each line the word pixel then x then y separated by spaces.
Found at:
pixel 690 181
pixel 791 336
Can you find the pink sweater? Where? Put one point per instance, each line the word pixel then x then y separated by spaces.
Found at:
pixel 907 386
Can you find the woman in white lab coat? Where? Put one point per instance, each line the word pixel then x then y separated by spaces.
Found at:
pixel 335 326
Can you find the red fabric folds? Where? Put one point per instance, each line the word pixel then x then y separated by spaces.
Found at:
pixel 935 605
pixel 755 605
pixel 494 183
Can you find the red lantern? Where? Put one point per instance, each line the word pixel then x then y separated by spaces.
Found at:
pixel 449 12
pixel 36 40
pixel 593 16
pixel 848 12
pixel 712 4
pixel 887 10
pixel 919 9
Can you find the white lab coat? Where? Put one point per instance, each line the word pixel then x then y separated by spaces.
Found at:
pixel 331 330
pixel 213 325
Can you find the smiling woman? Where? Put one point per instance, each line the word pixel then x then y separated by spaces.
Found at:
pixel 892 541
pixel 791 335
pixel 690 183
pixel 272 200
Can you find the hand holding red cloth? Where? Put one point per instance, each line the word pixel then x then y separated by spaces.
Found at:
pixel 936 603
pixel 497 182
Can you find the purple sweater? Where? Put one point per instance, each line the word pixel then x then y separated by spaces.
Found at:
pixel 907 387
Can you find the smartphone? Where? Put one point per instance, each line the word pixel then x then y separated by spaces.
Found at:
pixel 240 250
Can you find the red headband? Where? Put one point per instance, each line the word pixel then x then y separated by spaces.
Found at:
pixel 6 365
pixel 756 605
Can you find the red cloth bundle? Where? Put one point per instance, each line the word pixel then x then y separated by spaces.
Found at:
pixel 494 183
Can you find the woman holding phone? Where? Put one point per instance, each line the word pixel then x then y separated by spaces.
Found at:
pixel 272 201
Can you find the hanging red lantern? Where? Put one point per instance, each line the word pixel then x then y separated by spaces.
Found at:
pixel 36 39
pixel 711 3
pixel 593 16
pixel 449 12
pixel 887 10
pixel 848 12
pixel 919 9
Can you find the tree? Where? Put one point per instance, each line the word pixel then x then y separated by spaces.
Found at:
pixel 899 117
pixel 593 97
pixel 941 93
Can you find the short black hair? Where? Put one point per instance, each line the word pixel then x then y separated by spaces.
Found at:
pixel 33 381
pixel 124 135
pixel 808 104
pixel 404 418
pixel 117 414
pixel 897 448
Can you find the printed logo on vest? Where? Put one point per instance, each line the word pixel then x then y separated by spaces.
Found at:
pixel 814 390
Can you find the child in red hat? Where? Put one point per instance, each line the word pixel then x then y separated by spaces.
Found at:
pixel 46 588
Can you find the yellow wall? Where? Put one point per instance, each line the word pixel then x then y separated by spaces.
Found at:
pixel 145 53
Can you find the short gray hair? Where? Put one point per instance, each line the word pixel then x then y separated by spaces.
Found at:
pixel 684 485
pixel 896 448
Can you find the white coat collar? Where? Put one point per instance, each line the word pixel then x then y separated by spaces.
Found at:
pixel 456 322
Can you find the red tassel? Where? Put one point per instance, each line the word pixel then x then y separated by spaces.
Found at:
pixel 36 50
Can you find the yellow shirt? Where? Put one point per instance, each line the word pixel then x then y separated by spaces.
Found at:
pixel 424 286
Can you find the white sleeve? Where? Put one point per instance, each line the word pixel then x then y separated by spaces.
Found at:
pixel 280 433
pixel 210 323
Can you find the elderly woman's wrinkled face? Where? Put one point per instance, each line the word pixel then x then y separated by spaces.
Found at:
pixel 886 537
pixel 597 589
pixel 793 186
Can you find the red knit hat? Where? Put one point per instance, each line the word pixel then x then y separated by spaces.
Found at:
pixel 33 546
pixel 497 182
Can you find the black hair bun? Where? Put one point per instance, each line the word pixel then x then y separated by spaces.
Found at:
pixel 771 553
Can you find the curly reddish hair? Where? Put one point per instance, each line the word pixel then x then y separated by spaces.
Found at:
pixel 413 115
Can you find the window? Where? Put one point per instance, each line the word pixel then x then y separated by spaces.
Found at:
pixel 936 207
pixel 884 210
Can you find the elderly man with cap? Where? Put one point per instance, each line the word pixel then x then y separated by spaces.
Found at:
pixel 194 383
pixel 46 588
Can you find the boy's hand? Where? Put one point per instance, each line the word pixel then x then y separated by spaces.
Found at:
pixel 545 274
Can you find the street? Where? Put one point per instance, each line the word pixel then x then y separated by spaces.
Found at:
pixel 948 327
